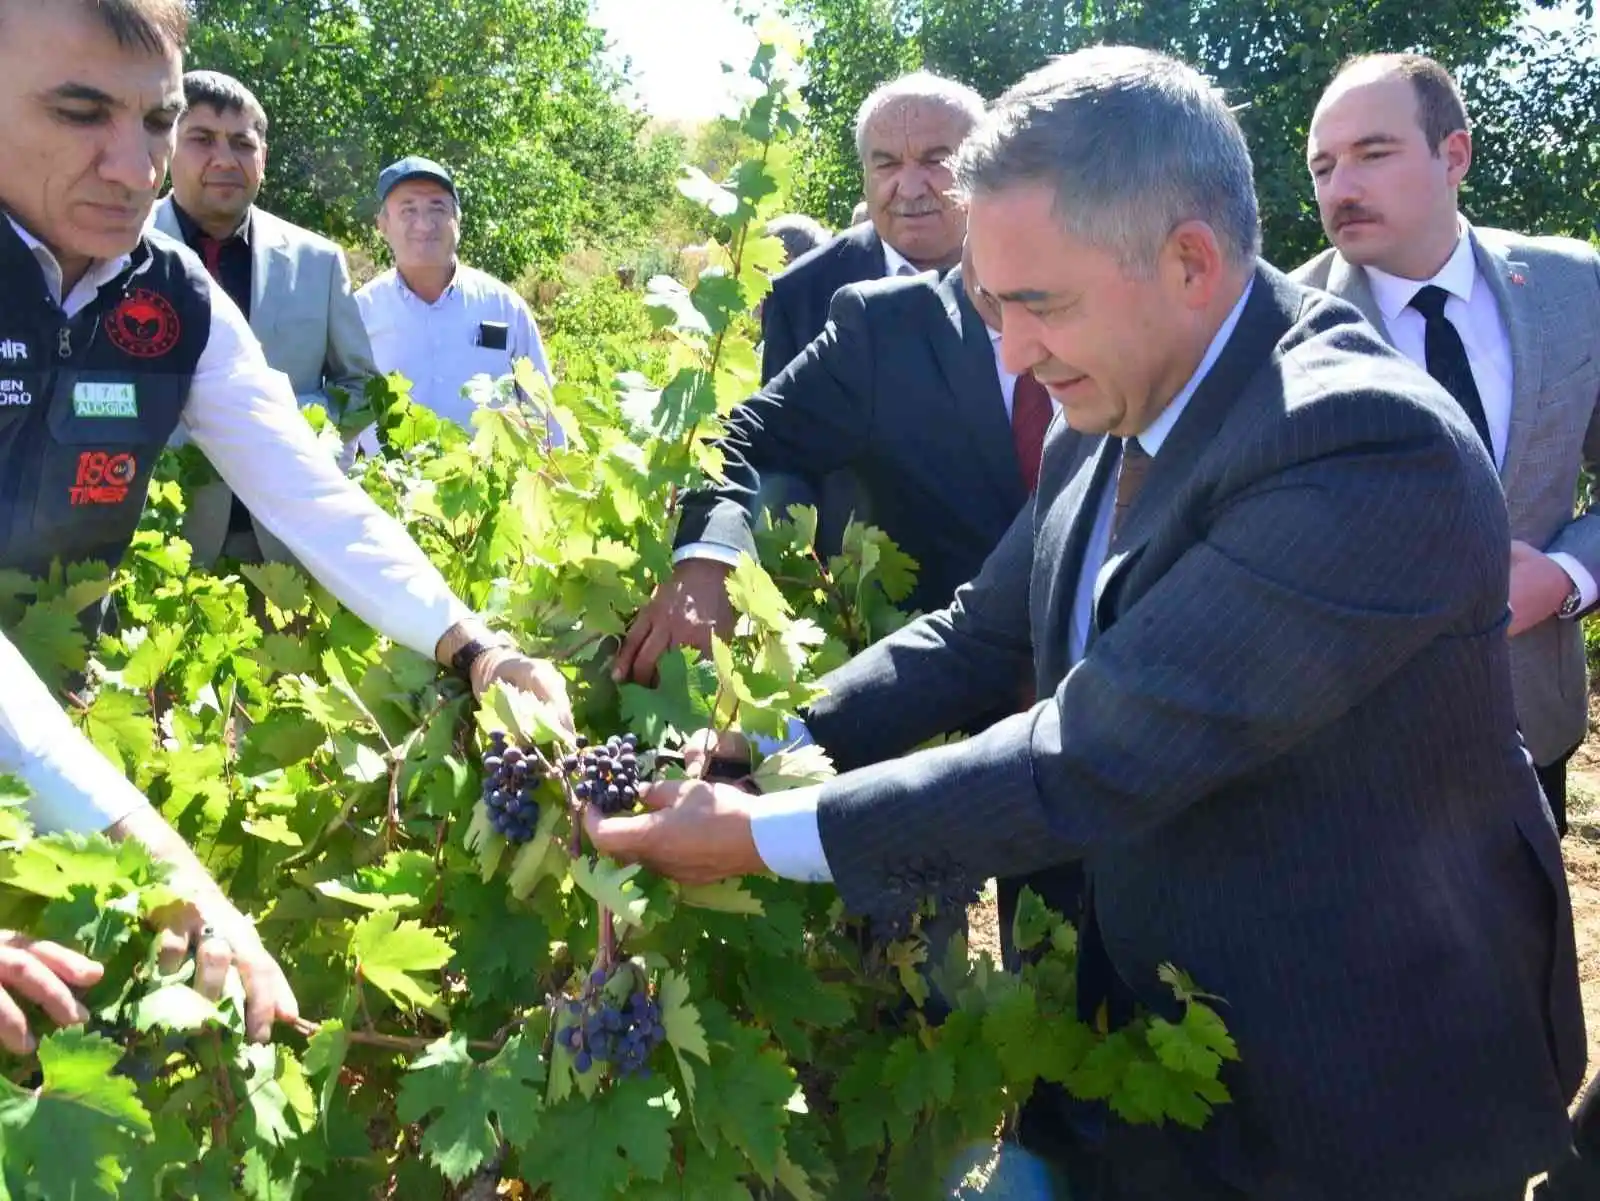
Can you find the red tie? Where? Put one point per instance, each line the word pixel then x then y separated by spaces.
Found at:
pixel 211 252
pixel 1031 411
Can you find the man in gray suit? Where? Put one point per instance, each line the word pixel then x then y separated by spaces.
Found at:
pixel 1509 324
pixel 291 284
pixel 1262 588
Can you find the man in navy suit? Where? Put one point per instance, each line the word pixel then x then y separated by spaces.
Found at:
pixel 906 132
pixel 1262 587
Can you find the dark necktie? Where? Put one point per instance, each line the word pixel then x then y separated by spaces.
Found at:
pixel 211 254
pixel 1131 473
pixel 1031 411
pixel 1447 358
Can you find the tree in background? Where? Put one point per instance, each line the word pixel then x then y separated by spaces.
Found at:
pixel 512 95
pixel 1536 99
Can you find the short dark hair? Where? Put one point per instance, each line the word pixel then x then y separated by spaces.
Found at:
pixel 798 233
pixel 1440 109
pixel 159 26
pixel 225 94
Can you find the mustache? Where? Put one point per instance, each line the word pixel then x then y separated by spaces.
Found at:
pixel 1347 213
pixel 920 208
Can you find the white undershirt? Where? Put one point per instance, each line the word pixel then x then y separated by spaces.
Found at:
pixel 243 415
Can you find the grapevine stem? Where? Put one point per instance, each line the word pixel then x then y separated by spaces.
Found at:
pixel 399 1042
pixel 608 939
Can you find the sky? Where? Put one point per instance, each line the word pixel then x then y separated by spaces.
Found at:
pixel 676 48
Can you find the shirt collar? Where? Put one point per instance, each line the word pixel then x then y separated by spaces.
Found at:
pixel 1155 436
pixel 405 288
pixel 101 271
pixel 1456 277
pixel 896 263
pixel 192 233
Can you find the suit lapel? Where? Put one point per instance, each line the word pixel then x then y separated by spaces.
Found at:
pixel 1511 283
pixel 1061 540
pixel 1349 283
pixel 1267 316
pixel 965 354
pixel 269 263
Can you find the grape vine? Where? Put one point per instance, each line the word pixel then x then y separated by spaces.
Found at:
pixel 488 1005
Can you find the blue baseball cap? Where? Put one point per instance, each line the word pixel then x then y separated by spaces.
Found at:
pixel 414 167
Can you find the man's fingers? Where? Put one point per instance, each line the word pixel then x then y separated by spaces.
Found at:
pixel 267 996
pixel 212 959
pixel 622 665
pixel 663 794
pixel 22 974
pixel 622 838
pixel 14 1035
pixel 656 643
pixel 79 971
pixel 174 944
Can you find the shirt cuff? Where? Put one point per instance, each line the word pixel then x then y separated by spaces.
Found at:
pixel 788 837
pixel 715 551
pixel 795 737
pixel 1580 575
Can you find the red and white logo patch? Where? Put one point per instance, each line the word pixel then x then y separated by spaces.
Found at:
pixel 144 325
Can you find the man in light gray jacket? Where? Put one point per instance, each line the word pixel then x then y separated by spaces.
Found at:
pixel 1509 324
pixel 292 284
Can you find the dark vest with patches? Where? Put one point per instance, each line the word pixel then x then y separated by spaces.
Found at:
pixel 87 403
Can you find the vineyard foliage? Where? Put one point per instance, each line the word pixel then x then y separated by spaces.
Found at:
pixel 333 783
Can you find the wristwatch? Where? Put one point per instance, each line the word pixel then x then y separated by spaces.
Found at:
pixel 461 662
pixel 1570 606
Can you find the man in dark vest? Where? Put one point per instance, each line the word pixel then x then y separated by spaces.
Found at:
pixel 110 339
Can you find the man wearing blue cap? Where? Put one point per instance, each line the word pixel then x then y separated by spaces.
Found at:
pixel 432 318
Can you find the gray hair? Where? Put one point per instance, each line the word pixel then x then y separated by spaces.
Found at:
pixel 798 233
pixel 1132 142
pixel 918 87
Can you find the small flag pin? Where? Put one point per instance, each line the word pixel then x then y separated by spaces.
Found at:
pixel 1516 278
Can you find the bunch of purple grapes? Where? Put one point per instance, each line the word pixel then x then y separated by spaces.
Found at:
pixel 511 777
pixel 623 1036
pixel 607 776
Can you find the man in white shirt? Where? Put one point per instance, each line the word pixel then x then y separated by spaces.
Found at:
pixel 431 317
pixel 1509 324
pixel 110 338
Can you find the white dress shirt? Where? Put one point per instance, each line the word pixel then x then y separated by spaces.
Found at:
pixel 244 417
pixel 785 829
pixel 436 345
pixel 1471 308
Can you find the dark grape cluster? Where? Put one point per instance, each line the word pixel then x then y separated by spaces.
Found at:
pixel 511 776
pixel 623 1036
pixel 607 776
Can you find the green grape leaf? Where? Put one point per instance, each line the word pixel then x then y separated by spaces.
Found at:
pixel 752 592
pixel 80 1107
pixel 743 1097
pixel 679 704
pixel 589 1150
pixel 119 724
pixel 685 1033
pixel 459 1098
pixel 725 896
pixel 795 768
pixel 612 885
pixel 703 1176
pixel 173 1007
pixel 390 954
